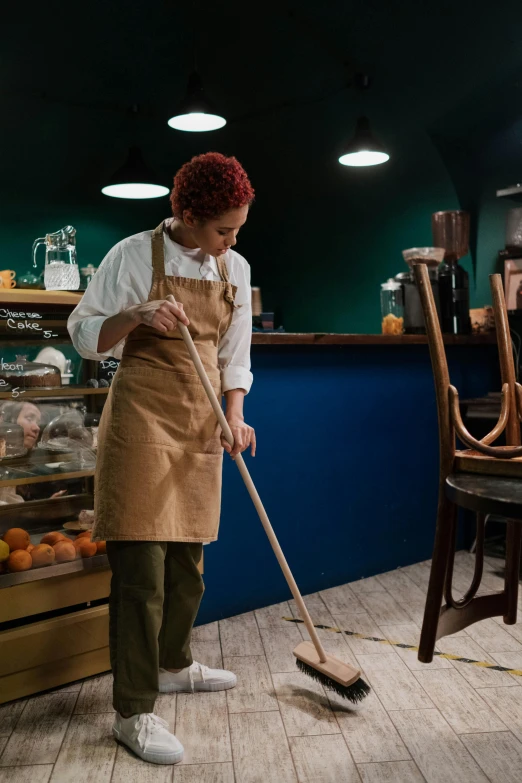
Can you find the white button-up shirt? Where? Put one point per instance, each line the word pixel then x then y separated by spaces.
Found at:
pixel 124 279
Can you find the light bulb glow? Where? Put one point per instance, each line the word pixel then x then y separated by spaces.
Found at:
pixel 197 122
pixel 364 158
pixel 135 190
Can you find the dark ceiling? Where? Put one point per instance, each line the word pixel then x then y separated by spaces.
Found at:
pixel 446 88
pixel 71 72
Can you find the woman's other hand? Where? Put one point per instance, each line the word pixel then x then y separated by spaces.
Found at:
pixel 162 315
pixel 244 437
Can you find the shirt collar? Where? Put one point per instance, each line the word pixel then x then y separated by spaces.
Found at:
pixel 208 267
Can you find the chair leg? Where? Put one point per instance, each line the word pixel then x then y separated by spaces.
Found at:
pixel 512 573
pixel 446 519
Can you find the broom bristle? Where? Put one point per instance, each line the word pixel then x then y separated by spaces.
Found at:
pixel 355 692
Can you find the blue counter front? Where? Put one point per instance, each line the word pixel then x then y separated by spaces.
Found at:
pixel 347 464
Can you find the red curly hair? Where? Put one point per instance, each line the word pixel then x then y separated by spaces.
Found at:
pixel 209 185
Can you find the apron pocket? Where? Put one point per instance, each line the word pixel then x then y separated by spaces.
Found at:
pixel 165 408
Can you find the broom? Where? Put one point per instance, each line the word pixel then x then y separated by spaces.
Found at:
pixel 311 657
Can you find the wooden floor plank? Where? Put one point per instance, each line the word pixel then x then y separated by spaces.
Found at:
pixel 493 638
pixel 323 759
pixel 272 616
pixel 477 677
pixel 260 747
pixel 459 703
pixel 204 773
pixel 436 749
pixel 40 730
pixel 95 696
pixel 304 706
pixel 507 704
pixel 207 653
pixel 88 751
pixel 278 645
pixel 341 600
pixel 390 772
pixel 368 731
pixel 34 774
pixel 410 634
pixel 240 636
pixel 499 755
pixel 254 691
pixel 9 715
pixel 206 633
pixel 128 768
pixel 384 609
pixel 202 727
pixel 366 626
pixel 394 683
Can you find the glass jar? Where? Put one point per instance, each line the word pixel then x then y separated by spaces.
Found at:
pixel 392 308
pixel 67 433
pixel 30 375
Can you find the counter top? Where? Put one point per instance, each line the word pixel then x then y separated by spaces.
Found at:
pixel 318 338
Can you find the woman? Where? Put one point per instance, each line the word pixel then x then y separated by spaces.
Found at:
pixel 158 475
pixel 28 416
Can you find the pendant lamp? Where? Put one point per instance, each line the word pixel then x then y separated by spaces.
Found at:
pixel 195 113
pixel 134 180
pixel 364 149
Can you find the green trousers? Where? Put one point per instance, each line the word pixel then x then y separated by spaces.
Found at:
pixel 156 589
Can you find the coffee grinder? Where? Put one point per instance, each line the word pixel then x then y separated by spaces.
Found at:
pixel 451 231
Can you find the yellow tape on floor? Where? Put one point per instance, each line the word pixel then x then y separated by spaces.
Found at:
pixel 483 664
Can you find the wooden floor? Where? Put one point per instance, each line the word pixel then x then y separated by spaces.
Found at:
pixel 443 722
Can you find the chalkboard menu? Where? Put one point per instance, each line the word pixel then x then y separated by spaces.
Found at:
pixel 107 369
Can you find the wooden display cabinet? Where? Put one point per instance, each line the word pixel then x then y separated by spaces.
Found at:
pixel 53 620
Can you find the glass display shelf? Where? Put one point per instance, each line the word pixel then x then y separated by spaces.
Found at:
pixel 64 391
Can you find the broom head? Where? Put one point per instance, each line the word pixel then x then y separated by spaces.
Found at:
pixel 340 677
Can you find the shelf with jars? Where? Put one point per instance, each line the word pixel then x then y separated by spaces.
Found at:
pixel 54 587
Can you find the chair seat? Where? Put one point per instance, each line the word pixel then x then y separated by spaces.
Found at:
pixel 486 494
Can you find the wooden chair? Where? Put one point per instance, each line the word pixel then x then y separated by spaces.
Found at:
pixel 484 478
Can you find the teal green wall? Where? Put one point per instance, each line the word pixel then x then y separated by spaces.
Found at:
pixel 321 237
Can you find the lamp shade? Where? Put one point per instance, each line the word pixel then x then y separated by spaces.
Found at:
pixel 134 180
pixel 364 149
pixel 195 113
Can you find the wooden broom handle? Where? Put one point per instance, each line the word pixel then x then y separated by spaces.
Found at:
pixel 252 491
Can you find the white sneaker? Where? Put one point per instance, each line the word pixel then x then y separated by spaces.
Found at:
pixel 196 678
pixel 149 737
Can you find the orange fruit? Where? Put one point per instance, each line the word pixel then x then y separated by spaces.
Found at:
pixel 101 547
pixel 86 548
pixel 64 551
pixel 19 560
pixel 84 534
pixel 30 548
pixel 42 555
pixel 52 538
pixel 16 538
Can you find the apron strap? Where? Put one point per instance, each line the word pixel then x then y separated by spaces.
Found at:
pixel 158 254
pixel 222 269
pixel 223 273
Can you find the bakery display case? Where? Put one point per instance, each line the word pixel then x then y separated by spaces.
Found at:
pixel 54 582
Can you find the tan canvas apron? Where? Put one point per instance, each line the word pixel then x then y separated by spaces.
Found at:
pixel 159 465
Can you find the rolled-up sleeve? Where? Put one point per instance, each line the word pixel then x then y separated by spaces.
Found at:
pixel 234 347
pixel 110 291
